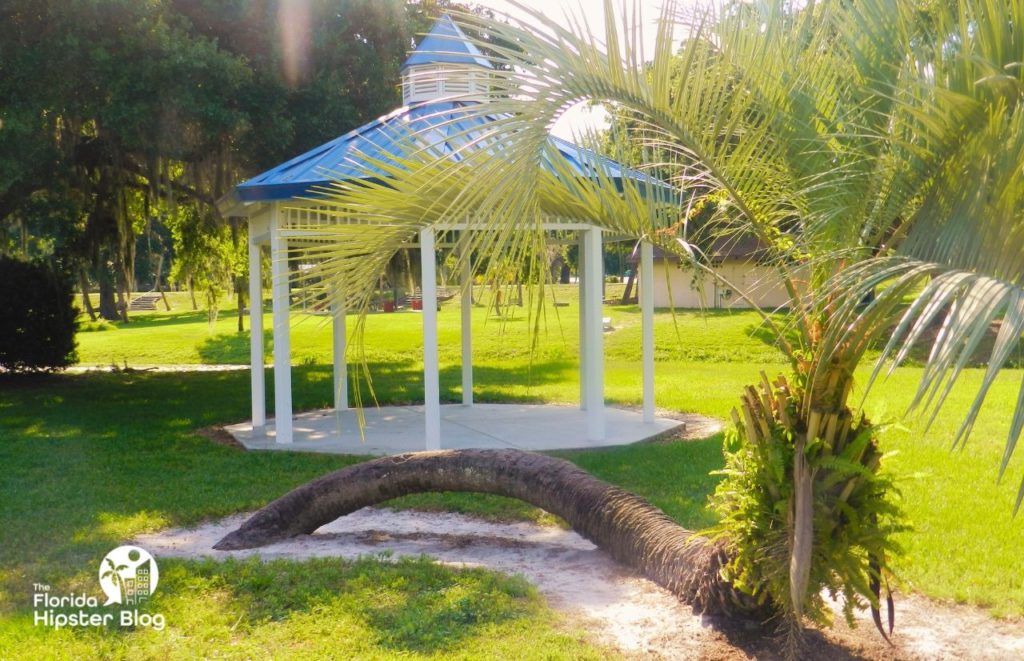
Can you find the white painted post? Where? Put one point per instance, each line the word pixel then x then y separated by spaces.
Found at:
pixel 340 346
pixel 258 386
pixel 647 315
pixel 282 330
pixel 594 358
pixel 467 331
pixel 431 378
pixel 581 288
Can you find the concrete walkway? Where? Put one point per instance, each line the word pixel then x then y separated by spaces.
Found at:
pixel 398 429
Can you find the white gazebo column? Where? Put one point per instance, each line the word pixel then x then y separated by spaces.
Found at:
pixel 257 376
pixel 647 315
pixel 431 380
pixel 594 332
pixel 339 346
pixel 282 331
pixel 581 287
pixel 467 330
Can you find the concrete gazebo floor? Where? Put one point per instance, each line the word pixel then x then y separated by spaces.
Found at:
pixel 397 429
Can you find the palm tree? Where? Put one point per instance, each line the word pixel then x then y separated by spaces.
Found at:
pixel 114 574
pixel 873 148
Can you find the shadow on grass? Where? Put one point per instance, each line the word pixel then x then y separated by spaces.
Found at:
pixel 766 335
pixel 400 382
pixel 921 349
pixel 325 607
pixel 130 461
pixel 164 319
pixel 232 348
pixel 491 383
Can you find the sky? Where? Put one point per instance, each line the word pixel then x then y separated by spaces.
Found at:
pixel 583 117
pixel 591 10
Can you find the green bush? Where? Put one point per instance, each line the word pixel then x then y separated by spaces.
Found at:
pixel 37 317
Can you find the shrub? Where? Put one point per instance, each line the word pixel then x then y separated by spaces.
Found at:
pixel 37 317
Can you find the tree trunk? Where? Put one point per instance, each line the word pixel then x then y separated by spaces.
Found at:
pixel 83 284
pixel 627 527
pixel 122 303
pixel 240 292
pixel 192 294
pixel 108 304
pixel 159 281
pixel 124 268
pixel 629 287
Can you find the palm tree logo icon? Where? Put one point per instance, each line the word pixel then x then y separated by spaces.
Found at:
pixel 128 576
pixel 115 575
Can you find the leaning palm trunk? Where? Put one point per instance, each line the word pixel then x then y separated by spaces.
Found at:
pixel 630 529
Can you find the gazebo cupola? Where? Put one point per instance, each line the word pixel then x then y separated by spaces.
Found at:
pixel 445 65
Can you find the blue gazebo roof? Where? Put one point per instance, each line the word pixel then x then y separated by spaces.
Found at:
pixel 446 44
pixel 351 155
pixel 453 125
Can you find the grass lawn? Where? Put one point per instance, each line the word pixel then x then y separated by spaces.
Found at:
pixel 90 460
pixel 183 336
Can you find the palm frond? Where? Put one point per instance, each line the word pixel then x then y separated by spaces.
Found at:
pixel 870 147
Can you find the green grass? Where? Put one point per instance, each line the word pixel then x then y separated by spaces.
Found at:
pixel 91 460
pixel 322 609
pixel 183 336
pixel 966 544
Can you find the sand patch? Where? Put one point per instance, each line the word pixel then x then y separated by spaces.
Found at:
pixel 616 605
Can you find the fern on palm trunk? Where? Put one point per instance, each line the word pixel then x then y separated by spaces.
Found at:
pixel 789 558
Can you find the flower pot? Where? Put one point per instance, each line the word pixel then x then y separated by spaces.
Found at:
pixel 389 306
pixel 417 304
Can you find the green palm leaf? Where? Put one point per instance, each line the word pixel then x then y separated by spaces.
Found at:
pixel 870 147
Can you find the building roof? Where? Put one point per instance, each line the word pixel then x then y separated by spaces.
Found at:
pixel 743 248
pixel 446 44
pixel 350 156
pixel 453 126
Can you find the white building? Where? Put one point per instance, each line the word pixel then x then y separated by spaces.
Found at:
pixel 737 261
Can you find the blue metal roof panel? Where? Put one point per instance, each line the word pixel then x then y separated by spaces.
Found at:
pixel 446 44
pixel 350 156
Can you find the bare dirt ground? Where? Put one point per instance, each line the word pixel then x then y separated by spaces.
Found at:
pixel 616 605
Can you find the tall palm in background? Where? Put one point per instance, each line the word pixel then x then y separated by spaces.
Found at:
pixel 873 148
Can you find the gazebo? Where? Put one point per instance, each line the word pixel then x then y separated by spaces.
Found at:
pixel 441 78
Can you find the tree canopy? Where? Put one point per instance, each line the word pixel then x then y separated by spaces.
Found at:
pixel 120 118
